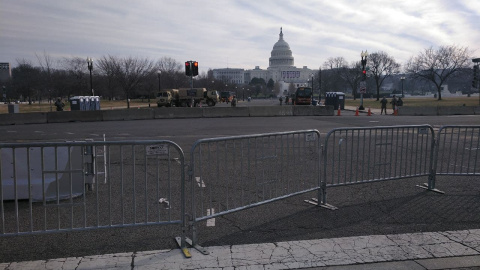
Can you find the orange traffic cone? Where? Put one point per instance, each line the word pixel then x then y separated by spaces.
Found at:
pixel 338 111
pixel 369 112
pixel 356 112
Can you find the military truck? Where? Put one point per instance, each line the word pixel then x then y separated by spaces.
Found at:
pixel 187 97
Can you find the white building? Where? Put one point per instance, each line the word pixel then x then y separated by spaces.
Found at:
pixel 281 69
pixel 5 72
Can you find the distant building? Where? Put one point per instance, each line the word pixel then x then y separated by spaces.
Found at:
pixel 281 69
pixel 5 72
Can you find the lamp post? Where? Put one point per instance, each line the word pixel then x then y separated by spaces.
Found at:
pixel 363 82
pixel 90 67
pixel 402 78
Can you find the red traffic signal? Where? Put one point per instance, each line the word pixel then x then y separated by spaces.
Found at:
pixel 188 69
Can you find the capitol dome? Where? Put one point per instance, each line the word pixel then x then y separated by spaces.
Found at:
pixel 281 54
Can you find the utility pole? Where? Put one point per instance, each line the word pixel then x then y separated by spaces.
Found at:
pixel 363 82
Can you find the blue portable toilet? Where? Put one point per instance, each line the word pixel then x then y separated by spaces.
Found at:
pixel 86 101
pixel 95 103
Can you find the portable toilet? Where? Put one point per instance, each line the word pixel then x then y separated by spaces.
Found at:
pixel 335 99
pixel 86 100
pixel 76 103
pixel 95 103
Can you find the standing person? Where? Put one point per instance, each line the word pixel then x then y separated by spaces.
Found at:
pixel 234 101
pixel 384 105
pixel 281 100
pixel 394 103
pixel 399 102
pixel 59 104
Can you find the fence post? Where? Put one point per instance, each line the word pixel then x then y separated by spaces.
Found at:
pixel 430 186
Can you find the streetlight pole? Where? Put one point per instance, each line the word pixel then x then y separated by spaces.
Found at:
pixel 312 87
pixel 363 83
pixel 90 67
pixel 402 78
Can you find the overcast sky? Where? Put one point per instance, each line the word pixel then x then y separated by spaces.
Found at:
pixel 234 34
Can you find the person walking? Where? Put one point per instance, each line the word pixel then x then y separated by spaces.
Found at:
pixel 384 105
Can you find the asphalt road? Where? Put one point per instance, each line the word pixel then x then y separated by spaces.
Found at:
pixel 375 208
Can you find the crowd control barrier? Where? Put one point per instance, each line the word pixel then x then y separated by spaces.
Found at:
pixel 457 151
pixel 362 155
pixel 71 186
pixel 63 186
pixel 230 174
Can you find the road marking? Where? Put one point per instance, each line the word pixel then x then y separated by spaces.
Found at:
pixel 200 182
pixel 11 131
pixel 211 221
pixel 69 133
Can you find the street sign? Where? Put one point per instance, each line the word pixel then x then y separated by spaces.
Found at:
pixel 363 87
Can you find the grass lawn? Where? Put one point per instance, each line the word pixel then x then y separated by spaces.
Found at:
pixel 417 102
pixel 104 105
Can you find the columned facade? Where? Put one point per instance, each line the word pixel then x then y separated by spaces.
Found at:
pixel 281 68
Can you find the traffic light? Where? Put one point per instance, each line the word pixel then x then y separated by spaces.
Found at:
pixel 364 72
pixel 195 68
pixel 188 68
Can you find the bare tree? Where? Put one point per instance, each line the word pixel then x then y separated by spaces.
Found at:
pixel 25 79
pixel 171 75
pixel 109 68
pixel 332 74
pixel 131 72
pixel 437 65
pixel 47 67
pixel 352 76
pixel 277 88
pixel 381 67
pixel 75 68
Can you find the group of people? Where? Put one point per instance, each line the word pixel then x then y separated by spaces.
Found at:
pixel 395 103
pixel 287 100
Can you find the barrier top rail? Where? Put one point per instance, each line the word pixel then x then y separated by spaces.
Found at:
pixel 86 143
pixel 206 140
pixel 377 128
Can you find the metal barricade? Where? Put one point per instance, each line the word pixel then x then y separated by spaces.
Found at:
pixel 360 155
pixel 458 150
pixel 51 187
pixel 230 174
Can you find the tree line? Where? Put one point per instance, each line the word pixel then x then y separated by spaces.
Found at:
pixel 133 77
pixel 431 69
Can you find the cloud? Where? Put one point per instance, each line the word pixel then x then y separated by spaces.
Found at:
pixel 234 33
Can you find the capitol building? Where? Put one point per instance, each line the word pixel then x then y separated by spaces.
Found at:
pixel 281 69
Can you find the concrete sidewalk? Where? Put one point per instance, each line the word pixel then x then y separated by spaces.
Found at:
pixel 431 250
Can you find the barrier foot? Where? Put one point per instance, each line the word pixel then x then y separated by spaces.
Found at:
pixel 201 249
pixel 185 250
pixel 314 201
pixel 425 186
